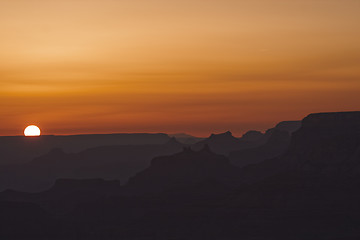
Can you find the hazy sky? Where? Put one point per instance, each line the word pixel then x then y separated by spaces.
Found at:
pixel 199 66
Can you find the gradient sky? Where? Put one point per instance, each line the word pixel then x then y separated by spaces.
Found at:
pixel 102 66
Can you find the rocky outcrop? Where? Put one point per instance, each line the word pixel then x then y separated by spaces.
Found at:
pixel 274 147
pixel 223 143
pixel 252 136
pixel 185 168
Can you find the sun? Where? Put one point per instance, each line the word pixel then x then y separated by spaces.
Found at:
pixel 32 131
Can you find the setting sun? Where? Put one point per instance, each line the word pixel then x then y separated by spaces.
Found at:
pixel 32 131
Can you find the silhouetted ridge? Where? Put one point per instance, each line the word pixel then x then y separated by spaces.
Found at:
pixel 186 167
pixel 317 129
pixel 204 154
pixel 273 143
pixel 288 126
pixel 326 141
pixel 107 162
pixel 226 143
pixel 185 138
pixel 326 146
pixel 349 121
pixel 284 126
pixel 275 146
pixel 222 143
pixel 252 136
pixel 20 149
pixel 226 136
pixel 310 191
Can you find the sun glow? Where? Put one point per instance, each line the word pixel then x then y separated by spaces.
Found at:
pixel 32 131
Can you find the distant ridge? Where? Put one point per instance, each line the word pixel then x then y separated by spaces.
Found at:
pixel 34 147
pixel 108 162
pixel 185 138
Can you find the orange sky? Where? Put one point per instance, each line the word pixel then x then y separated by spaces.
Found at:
pixel 102 66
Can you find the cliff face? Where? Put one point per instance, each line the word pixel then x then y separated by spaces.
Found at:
pixel 326 146
pixel 327 143
pixel 323 126
pixel 336 121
